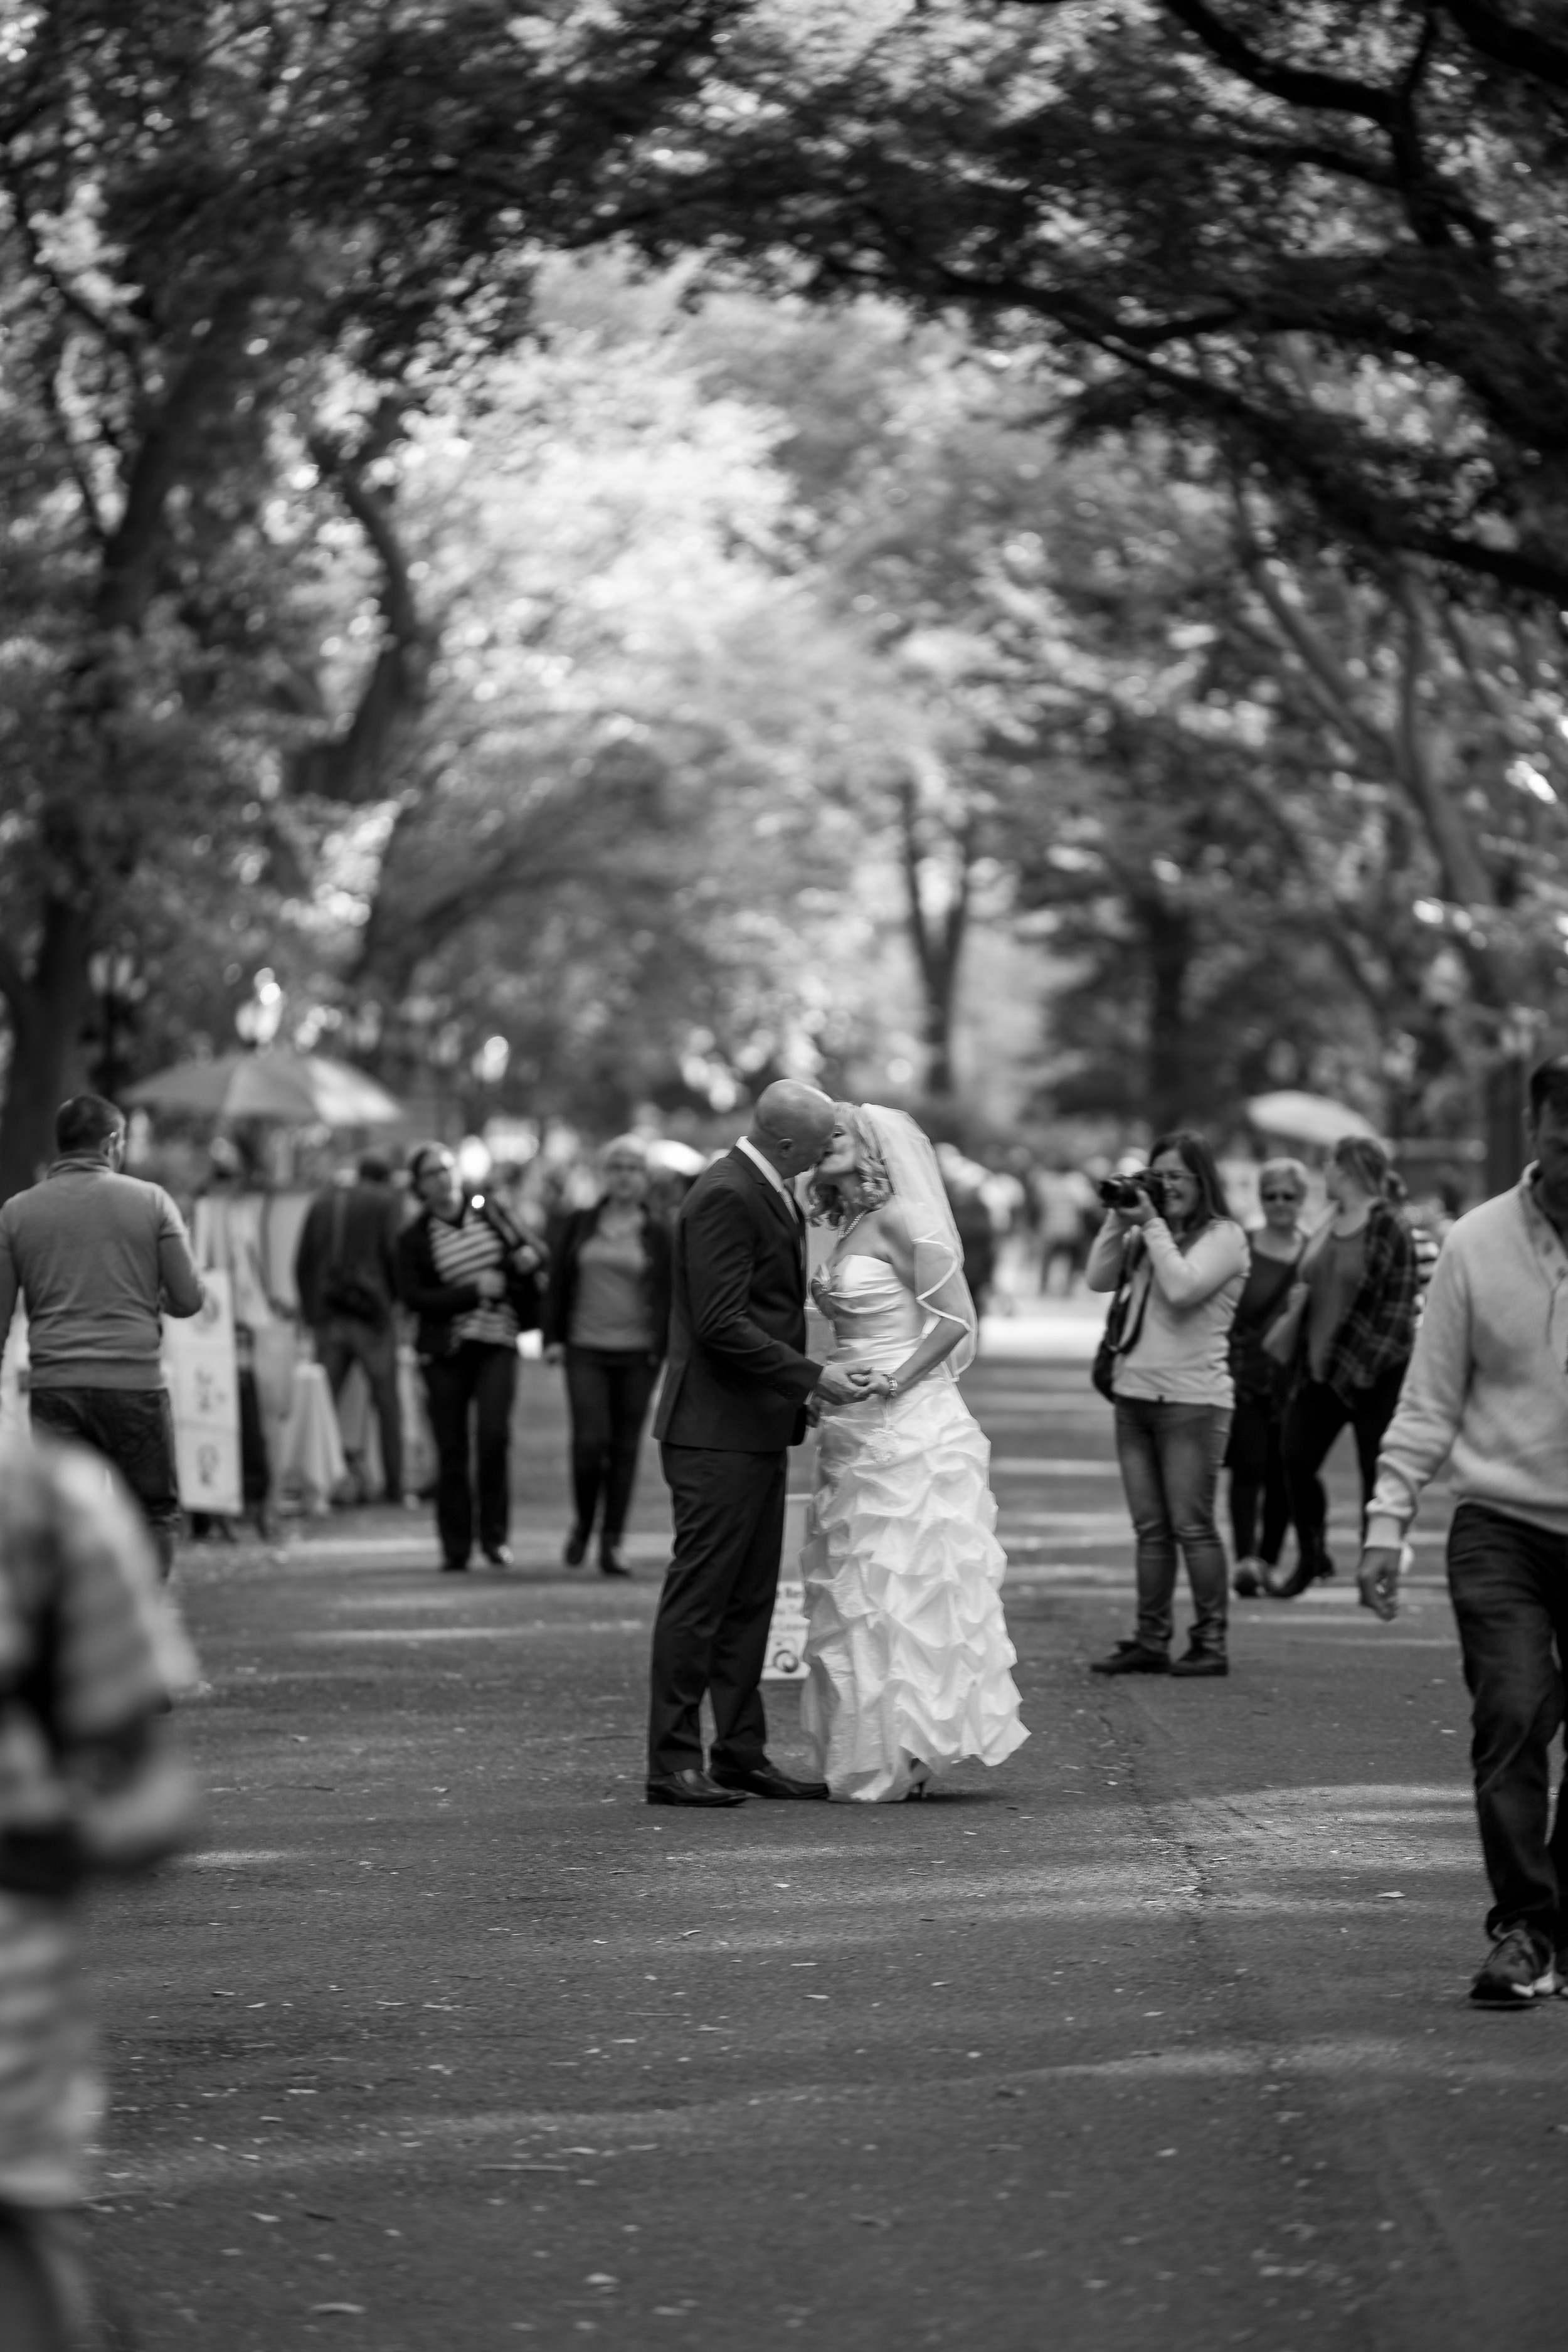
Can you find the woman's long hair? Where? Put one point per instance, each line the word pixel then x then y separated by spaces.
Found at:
pixel 1196 1157
pixel 833 1198
pixel 1362 1157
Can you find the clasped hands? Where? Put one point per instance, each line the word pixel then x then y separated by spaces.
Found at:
pixel 850 1385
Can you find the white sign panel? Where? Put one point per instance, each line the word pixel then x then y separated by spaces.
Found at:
pixel 203 1373
pixel 786 1634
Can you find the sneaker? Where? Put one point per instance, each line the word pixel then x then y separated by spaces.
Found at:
pixel 1517 1971
pixel 1132 1658
pixel 1200 1662
pixel 1247 1581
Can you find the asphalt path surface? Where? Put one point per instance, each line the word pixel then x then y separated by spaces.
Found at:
pixel 1156 2037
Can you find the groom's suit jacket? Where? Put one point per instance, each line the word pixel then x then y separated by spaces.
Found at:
pixel 738 1375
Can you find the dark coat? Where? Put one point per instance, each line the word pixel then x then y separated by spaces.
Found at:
pixel 566 1248
pixel 365 1218
pixel 437 1304
pixel 738 1375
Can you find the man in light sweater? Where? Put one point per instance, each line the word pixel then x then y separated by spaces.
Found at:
pixel 97 1256
pixel 1488 1388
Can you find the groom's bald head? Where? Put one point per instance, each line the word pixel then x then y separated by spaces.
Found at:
pixel 791 1125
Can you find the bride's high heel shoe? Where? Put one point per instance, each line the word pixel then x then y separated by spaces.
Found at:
pixel 919 1781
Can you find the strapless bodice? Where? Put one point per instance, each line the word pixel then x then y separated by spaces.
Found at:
pixel 875 1320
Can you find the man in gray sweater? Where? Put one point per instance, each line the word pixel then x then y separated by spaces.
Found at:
pixel 1488 1392
pixel 97 1256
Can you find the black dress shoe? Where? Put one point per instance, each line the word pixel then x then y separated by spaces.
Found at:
pixel 1199 1662
pixel 575 1548
pixel 690 1787
pixel 764 1780
pixel 1132 1658
pixel 610 1561
pixel 454 1568
pixel 501 1555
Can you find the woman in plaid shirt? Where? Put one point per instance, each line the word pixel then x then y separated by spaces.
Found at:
pixel 1357 1300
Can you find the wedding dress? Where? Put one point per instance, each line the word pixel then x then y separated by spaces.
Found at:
pixel 906 1655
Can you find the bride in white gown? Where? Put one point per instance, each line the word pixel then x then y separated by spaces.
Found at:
pixel 907 1655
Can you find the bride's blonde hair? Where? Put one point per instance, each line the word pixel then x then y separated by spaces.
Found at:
pixel 835 1198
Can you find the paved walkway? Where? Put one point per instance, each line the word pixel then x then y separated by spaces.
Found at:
pixel 1155 2039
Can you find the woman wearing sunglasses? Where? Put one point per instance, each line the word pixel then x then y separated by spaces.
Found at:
pixel 1255 1456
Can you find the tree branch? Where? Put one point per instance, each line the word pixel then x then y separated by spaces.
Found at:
pixel 1493 35
pixel 1296 85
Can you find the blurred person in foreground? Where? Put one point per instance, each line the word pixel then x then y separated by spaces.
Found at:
pixel 907 1660
pixel 97 1257
pixel 1260 1507
pixel 345 1271
pixel 470 1275
pixel 606 1319
pixel 735 1399
pixel 1487 1392
pixel 1346 1335
pixel 90 1787
pixel 1177 1258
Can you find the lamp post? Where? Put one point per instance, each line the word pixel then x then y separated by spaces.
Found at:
pixel 111 974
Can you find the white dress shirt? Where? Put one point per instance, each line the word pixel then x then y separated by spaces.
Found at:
pixel 779 1183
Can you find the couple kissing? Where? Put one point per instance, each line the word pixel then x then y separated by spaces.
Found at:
pixel 909 1664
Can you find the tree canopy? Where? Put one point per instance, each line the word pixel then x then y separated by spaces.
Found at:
pixel 1329 235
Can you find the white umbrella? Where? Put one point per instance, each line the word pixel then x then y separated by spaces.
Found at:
pixel 307 1088
pixel 680 1158
pixel 1302 1117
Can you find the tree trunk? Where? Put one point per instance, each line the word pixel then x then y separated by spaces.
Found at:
pixel 1503 1113
pixel 938 941
pixel 1168 934
pixel 46 1007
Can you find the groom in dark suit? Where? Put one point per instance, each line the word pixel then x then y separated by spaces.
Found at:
pixel 735 1395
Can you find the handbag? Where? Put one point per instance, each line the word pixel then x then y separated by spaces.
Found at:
pixel 343 1292
pixel 524 1290
pixel 1115 1340
pixel 1283 1337
pixel 1282 1341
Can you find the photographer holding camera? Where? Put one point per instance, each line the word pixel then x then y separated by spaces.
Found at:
pixel 1178 1259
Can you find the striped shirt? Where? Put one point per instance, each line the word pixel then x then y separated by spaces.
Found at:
pixel 472 1246
pixel 74 1559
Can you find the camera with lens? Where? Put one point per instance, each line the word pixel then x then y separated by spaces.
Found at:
pixel 1131 1191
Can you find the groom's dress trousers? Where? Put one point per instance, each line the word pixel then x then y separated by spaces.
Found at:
pixel 733 1403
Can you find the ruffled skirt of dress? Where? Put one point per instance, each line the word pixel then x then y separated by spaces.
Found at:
pixel 908 1659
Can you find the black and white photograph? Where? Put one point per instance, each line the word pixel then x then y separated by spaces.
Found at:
pixel 783 1019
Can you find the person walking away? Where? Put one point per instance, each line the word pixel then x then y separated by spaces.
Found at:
pixel 345 1272
pixel 97 1256
pixel 468 1271
pixel 735 1400
pixel 977 1234
pixel 1254 1456
pixel 89 1785
pixel 1182 1259
pixel 1355 1301
pixel 1487 1392
pixel 606 1319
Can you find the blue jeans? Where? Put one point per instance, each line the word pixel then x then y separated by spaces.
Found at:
pixel 1170 1456
pixel 1508 1583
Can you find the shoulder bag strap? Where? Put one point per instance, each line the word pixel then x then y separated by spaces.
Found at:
pixel 1127 1340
